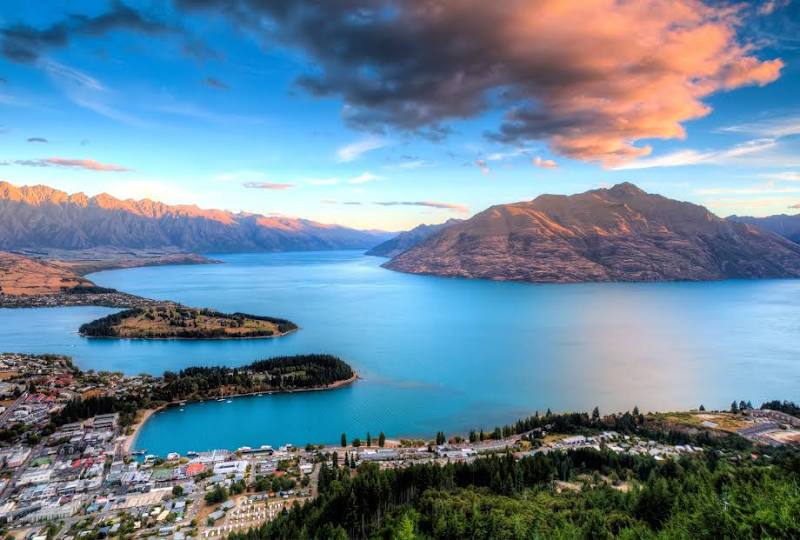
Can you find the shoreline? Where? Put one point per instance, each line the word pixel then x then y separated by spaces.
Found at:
pixel 127 446
pixel 190 338
pixel 130 440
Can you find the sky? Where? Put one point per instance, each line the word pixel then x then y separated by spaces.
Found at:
pixel 384 114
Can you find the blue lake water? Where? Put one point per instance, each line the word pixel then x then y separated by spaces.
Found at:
pixel 441 354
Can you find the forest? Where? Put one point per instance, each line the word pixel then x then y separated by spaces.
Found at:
pixel 275 374
pixel 716 494
pixel 269 375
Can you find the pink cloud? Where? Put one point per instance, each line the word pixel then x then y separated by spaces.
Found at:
pixel 268 185
pixel 87 164
pixel 544 163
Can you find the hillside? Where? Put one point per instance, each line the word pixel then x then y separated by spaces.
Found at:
pixel 616 234
pixel 408 239
pixel 43 217
pixel 21 276
pixel 783 224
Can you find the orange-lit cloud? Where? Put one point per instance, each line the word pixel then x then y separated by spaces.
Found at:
pixel 544 163
pixel 593 78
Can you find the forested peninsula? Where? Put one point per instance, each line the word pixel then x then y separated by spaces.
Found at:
pixel 279 374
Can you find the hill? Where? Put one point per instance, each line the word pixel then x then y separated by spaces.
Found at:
pixel 616 234
pixel 43 217
pixel 408 239
pixel 21 276
pixel 783 224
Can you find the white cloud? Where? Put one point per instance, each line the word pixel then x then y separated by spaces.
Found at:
pixel 788 176
pixel 775 127
pixel 353 151
pixel 712 157
pixel 414 164
pixel 364 178
pixel 766 188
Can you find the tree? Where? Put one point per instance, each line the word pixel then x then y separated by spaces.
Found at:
pixel 369 439
pixel 734 407
pixel 381 439
pixel 344 440
pixel 635 410
pixel 356 442
pixel 596 414
pixel 177 491
pixel 473 437
pixel 217 495
pixel 440 438
pixel 702 408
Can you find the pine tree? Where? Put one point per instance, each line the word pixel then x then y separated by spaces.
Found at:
pixel 381 439
pixel 369 439
pixel 344 440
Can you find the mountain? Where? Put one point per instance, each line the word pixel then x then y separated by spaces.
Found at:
pixel 23 276
pixel 783 224
pixel 43 217
pixel 616 234
pixel 408 239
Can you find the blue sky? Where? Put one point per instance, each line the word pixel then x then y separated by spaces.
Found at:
pixel 196 104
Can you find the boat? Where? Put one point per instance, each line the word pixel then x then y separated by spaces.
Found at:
pixel 139 452
pixel 229 401
pixel 221 399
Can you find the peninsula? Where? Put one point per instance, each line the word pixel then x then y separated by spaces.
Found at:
pixel 171 321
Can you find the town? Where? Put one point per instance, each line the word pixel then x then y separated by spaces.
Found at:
pixel 70 478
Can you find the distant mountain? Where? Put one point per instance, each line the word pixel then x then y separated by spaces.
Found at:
pixel 616 234
pixel 408 239
pixel 783 224
pixel 42 217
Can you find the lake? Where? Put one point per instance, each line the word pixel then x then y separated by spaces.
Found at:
pixel 440 354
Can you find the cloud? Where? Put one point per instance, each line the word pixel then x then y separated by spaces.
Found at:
pixel 483 166
pixel 85 164
pixel 268 185
pixel 37 140
pixel 788 176
pixel 773 127
pixel 694 157
pixel 25 44
pixel 213 82
pixel 353 151
pixel 544 163
pixel 414 164
pixel 460 208
pixel 591 77
pixel 795 206
pixel 766 188
pixel 364 178
pixel 88 92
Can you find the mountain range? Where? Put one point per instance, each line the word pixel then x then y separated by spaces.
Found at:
pixel 783 224
pixel 43 217
pixel 408 239
pixel 616 234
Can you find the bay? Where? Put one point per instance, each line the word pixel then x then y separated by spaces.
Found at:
pixel 440 354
